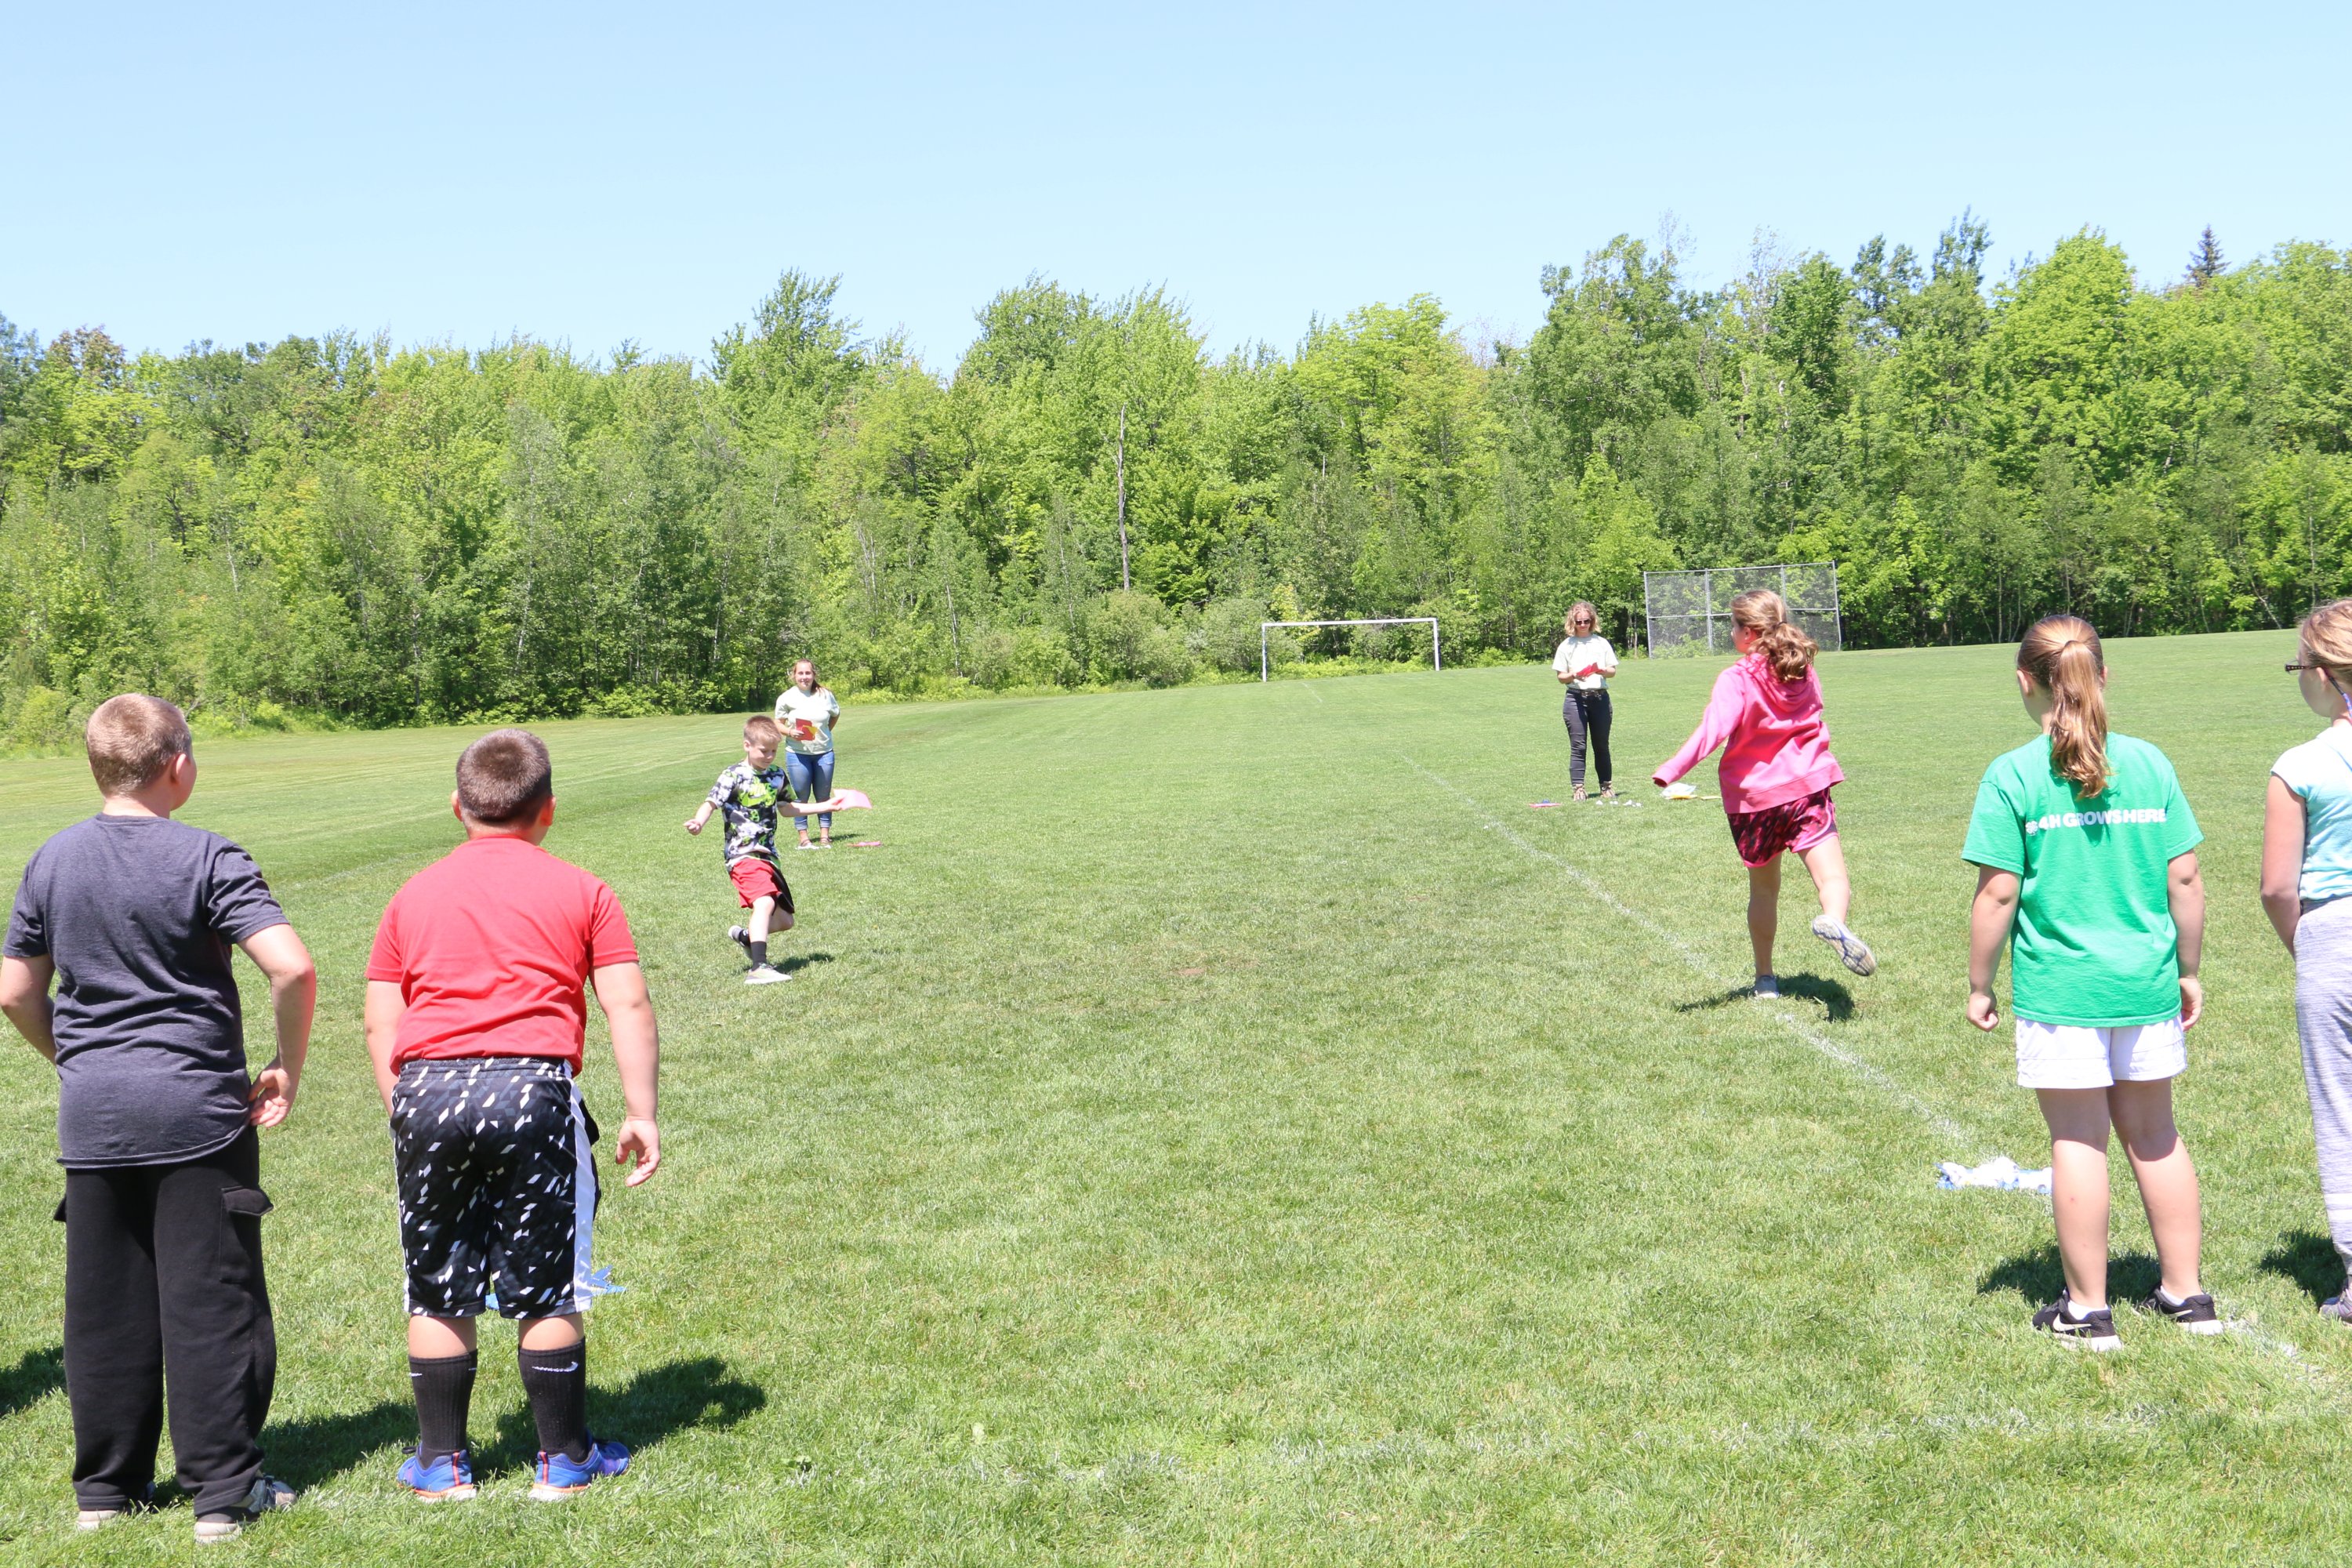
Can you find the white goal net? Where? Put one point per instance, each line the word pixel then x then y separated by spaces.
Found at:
pixel 1265 627
pixel 1690 612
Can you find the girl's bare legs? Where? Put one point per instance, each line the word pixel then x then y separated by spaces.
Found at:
pixel 2078 1188
pixel 2168 1180
pixel 1826 862
pixel 1764 910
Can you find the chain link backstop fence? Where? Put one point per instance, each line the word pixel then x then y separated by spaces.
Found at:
pixel 1690 612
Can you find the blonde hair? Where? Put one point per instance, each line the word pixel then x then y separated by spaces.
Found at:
pixel 131 739
pixel 758 727
pixel 1782 642
pixel 1590 613
pixel 2061 653
pixel 2327 635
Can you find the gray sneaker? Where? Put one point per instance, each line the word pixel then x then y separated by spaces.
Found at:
pixel 1851 951
pixel 94 1518
pixel 269 1495
pixel 766 974
pixel 2337 1307
pixel 1767 989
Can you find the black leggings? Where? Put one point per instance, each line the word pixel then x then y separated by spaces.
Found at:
pixel 1586 713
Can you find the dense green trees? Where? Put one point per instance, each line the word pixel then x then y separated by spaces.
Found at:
pixel 385 535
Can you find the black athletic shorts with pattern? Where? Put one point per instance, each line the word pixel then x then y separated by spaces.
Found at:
pixel 498 1186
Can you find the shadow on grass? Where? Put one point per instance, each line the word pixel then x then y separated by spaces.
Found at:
pixel 36 1376
pixel 800 961
pixel 652 1405
pixel 320 1447
pixel 2038 1277
pixel 1830 994
pixel 2309 1258
pixel 649 1407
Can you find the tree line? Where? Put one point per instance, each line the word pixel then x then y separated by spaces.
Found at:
pixel 380 535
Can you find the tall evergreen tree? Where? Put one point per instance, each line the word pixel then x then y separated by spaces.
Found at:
pixel 2205 262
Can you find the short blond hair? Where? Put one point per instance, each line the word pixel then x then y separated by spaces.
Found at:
pixel 760 727
pixel 131 739
pixel 2328 635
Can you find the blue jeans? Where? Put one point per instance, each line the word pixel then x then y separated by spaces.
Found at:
pixel 812 779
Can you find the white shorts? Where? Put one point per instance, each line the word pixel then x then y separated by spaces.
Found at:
pixel 2077 1056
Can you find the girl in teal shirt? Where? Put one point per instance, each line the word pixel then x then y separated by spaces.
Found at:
pixel 2307 892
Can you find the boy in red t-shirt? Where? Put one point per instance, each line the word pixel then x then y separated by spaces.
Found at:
pixel 476 1018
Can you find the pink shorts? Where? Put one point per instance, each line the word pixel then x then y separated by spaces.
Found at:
pixel 1791 824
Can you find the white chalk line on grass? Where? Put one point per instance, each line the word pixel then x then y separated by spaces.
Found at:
pixel 1869 1072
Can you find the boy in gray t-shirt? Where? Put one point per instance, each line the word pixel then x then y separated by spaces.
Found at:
pixel 133 915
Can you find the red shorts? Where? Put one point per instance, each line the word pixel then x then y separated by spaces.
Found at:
pixel 755 879
pixel 1791 824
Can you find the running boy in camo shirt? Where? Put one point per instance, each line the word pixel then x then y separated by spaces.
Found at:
pixel 747 795
pixel 476 1016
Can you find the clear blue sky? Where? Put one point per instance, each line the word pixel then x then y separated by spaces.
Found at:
pixel 592 174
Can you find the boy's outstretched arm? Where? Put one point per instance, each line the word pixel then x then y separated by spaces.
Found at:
pixel 25 998
pixel 293 997
pixel 636 1052
pixel 694 823
pixel 1989 920
pixel 382 1021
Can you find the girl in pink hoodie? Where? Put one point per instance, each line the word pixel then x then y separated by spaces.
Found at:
pixel 1776 770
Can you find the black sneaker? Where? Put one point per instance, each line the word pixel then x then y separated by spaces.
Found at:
pixel 2195 1315
pixel 2094 1330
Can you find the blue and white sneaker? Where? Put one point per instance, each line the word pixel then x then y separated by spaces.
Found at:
pixel 1851 951
pixel 557 1477
pixel 449 1478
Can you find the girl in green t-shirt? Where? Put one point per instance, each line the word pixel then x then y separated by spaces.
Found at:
pixel 2086 870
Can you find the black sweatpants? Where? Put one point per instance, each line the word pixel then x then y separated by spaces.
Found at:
pixel 1586 713
pixel 163 1287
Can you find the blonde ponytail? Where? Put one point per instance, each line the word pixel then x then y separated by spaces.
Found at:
pixel 2061 653
pixel 1787 650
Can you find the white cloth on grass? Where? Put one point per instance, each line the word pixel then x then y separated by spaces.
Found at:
pixel 2001 1172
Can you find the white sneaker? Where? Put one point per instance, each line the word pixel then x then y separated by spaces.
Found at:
pixel 1851 951
pixel 766 974
pixel 1768 988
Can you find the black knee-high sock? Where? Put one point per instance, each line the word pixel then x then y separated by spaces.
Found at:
pixel 557 1385
pixel 444 1387
pixel 758 950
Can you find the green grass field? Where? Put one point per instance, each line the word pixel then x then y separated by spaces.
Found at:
pixel 1227 1124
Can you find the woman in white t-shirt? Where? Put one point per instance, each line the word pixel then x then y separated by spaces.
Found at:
pixel 1585 664
pixel 808 715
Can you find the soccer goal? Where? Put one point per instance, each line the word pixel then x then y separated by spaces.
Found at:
pixel 1689 613
pixel 1436 663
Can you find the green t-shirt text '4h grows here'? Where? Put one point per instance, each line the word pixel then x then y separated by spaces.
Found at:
pixel 2094 941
